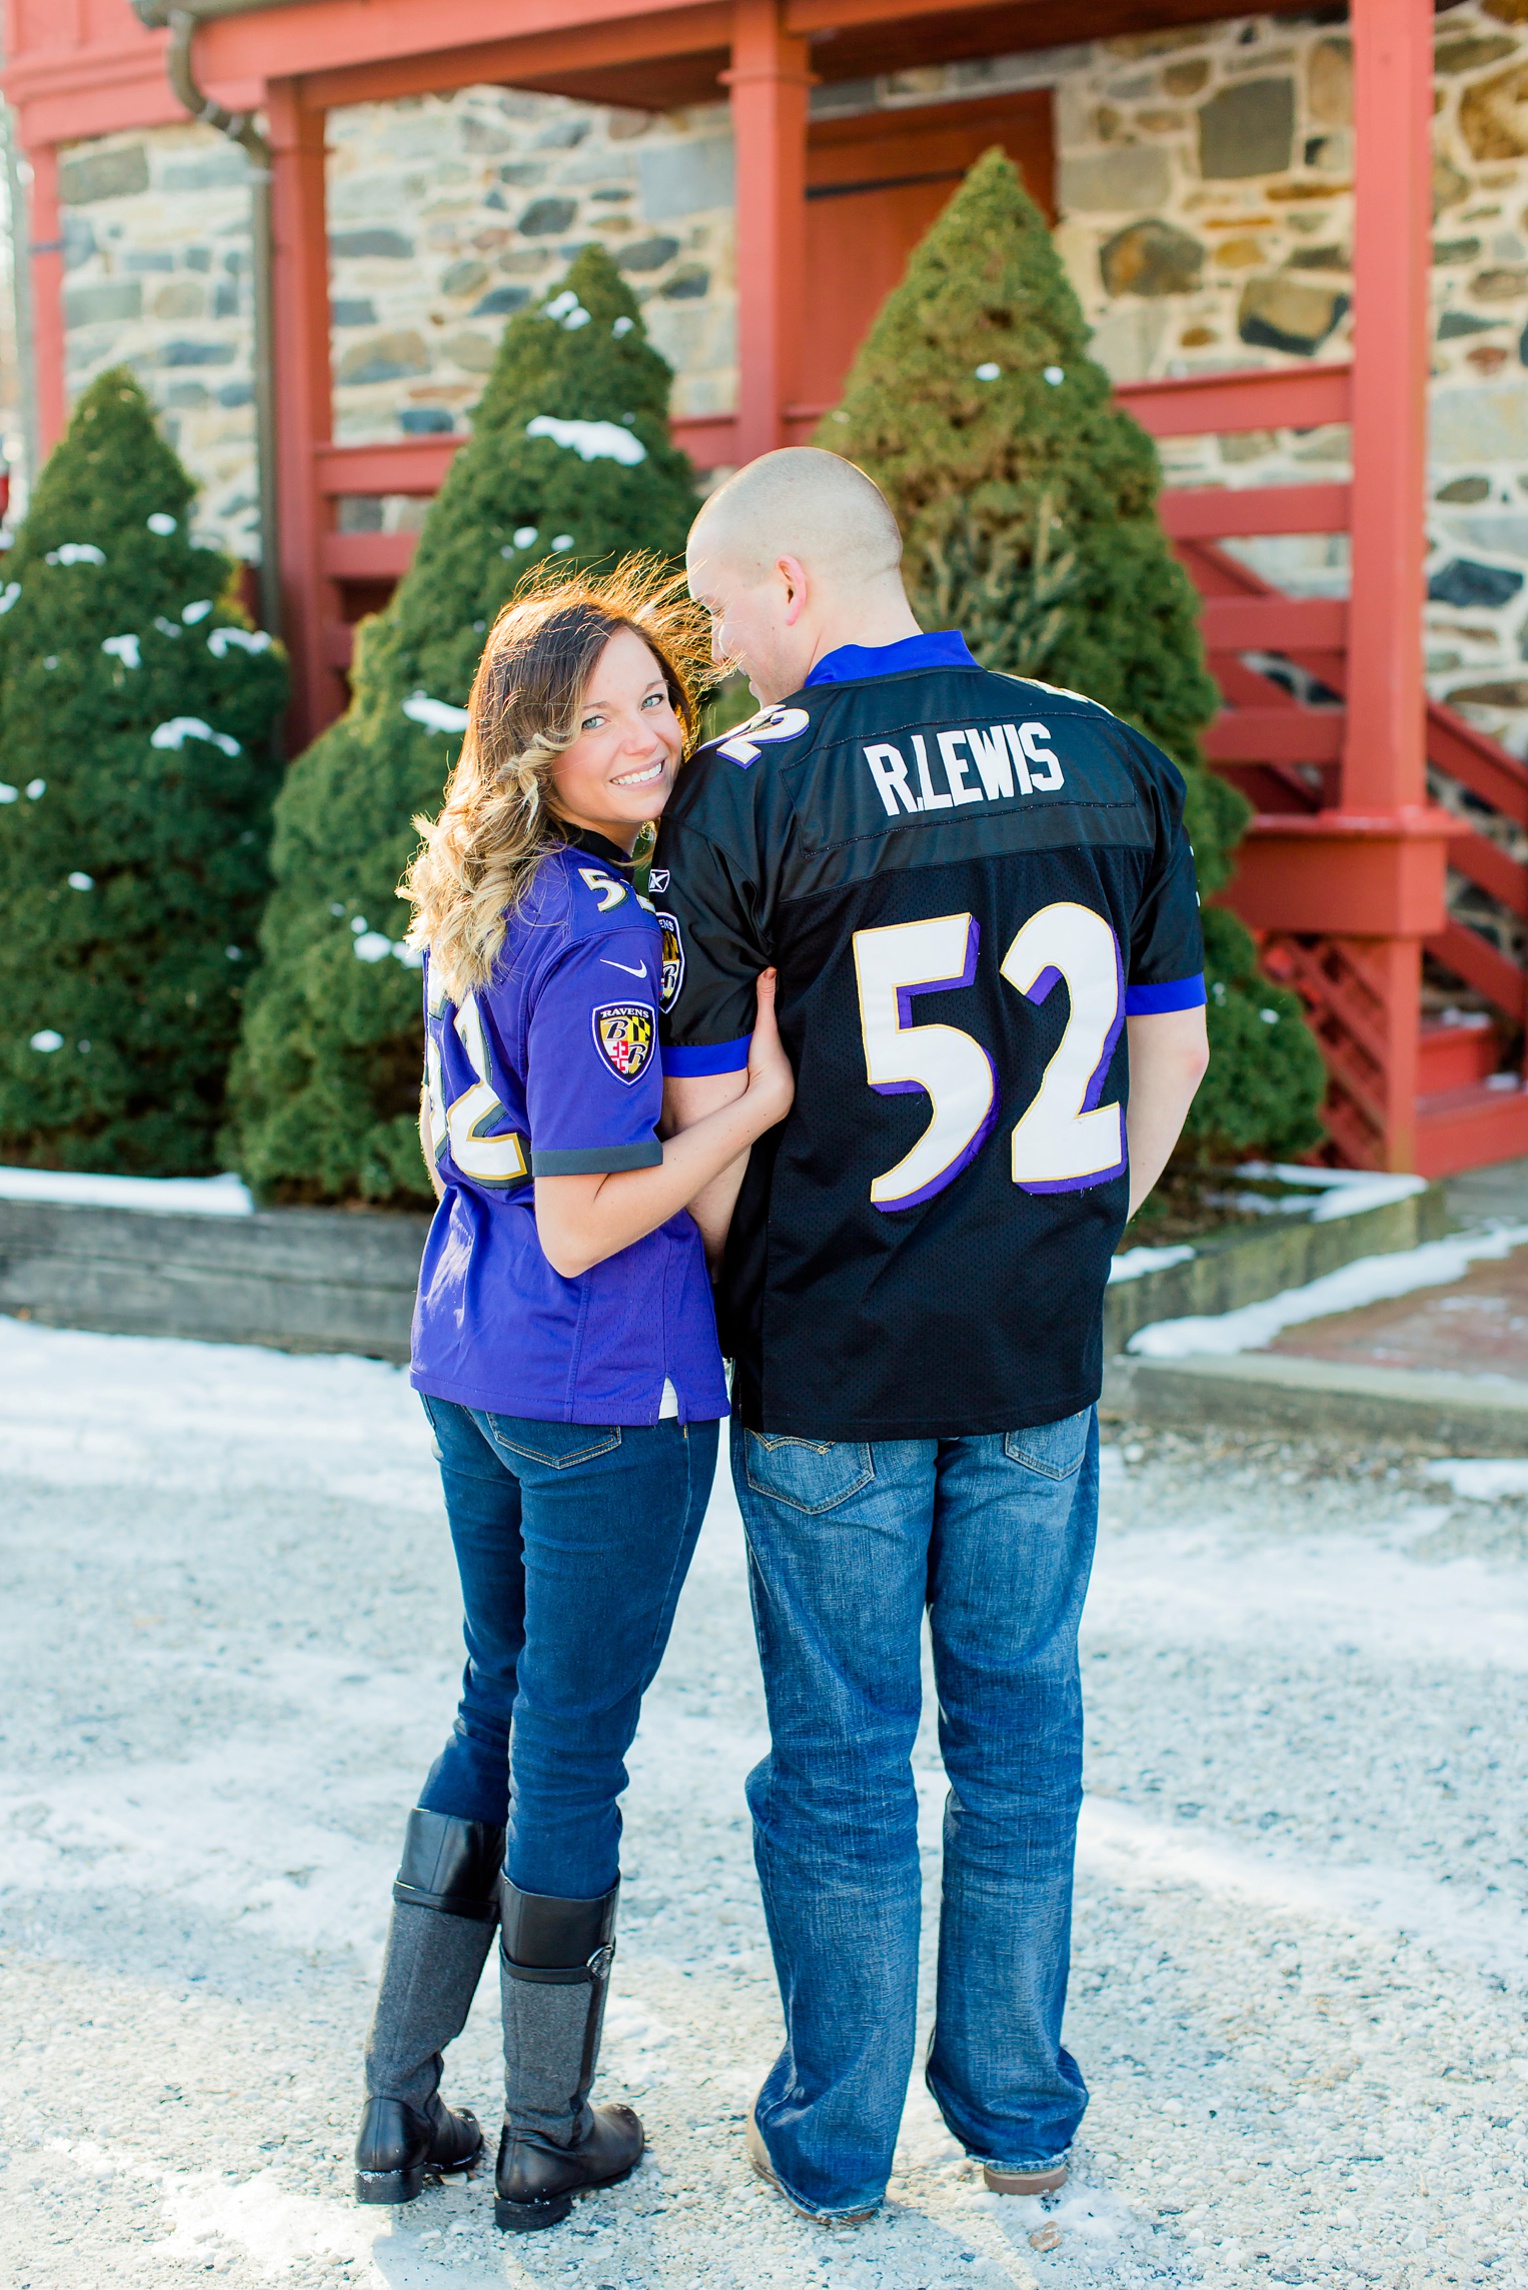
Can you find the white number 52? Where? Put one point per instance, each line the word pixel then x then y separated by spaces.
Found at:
pixel 1064 1140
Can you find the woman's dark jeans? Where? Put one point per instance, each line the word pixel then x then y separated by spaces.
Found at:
pixel 572 1541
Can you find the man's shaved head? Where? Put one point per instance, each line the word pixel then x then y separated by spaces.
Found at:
pixel 794 556
pixel 805 504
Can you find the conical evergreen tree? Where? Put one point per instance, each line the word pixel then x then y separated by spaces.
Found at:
pixel 1027 501
pixel 137 709
pixel 569 457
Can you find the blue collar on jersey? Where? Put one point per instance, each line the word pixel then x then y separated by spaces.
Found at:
pixel 946 648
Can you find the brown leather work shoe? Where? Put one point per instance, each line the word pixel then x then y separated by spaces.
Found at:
pixel 1044 2179
pixel 758 2155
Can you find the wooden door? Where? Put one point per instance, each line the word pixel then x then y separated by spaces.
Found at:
pixel 874 185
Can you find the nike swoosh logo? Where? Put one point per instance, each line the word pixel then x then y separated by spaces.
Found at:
pixel 639 972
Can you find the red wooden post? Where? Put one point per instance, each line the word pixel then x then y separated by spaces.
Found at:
pixel 1384 762
pixel 310 600
pixel 45 233
pixel 769 82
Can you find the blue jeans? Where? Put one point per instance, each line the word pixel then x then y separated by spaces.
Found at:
pixel 572 1542
pixel 847 1544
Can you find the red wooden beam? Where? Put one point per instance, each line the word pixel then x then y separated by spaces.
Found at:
pixel 1213 512
pixel 769 83
pixel 366 556
pixel 1485 863
pixel 1273 624
pixel 1275 735
pixel 47 253
pixel 1477 762
pixel 1279 397
pixel 1476 961
pixel 525 57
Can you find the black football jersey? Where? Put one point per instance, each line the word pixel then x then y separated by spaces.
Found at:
pixel 966 882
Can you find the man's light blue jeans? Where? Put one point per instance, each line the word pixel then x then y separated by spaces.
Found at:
pixel 847 1544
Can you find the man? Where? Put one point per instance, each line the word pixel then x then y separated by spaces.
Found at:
pixel 980 900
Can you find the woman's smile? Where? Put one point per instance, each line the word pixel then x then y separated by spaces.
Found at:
pixel 643 777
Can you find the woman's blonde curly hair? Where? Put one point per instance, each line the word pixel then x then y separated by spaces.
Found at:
pixel 480 857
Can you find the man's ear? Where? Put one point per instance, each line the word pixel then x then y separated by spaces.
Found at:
pixel 792 576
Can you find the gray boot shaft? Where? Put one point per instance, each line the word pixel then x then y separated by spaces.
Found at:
pixel 445 1907
pixel 554 1975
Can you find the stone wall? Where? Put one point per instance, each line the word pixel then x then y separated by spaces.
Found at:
pixel 1205 192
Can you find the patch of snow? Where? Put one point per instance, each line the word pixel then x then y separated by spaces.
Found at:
pixel 988 370
pixel 226 1196
pixel 622 326
pixel 161 523
pixel 36 790
pixel 166 627
pixel 1134 1263
pixel 81 882
pixel 590 440
pixel 1482 1479
pixel 192 613
pixel 372 946
pixel 243 640
pixel 9 594
pixel 1347 1192
pixel 47 1041
pixel 8 794
pixel 76 553
pixel 181 728
pixel 562 541
pixel 1055 375
pixel 524 535
pixel 1368 1281
pixel 125 649
pixel 435 715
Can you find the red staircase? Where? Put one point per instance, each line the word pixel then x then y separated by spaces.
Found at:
pixel 1282 666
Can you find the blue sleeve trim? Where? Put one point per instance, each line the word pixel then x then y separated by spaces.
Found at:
pixel 715 1057
pixel 1151 1001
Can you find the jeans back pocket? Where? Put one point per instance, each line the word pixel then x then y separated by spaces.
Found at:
pixel 558 1445
pixel 811 1475
pixel 1055 1450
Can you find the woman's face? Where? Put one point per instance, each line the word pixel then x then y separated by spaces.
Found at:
pixel 628 746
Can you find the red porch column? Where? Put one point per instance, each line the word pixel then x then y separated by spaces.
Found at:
pixel 310 599
pixel 1383 762
pixel 44 233
pixel 769 81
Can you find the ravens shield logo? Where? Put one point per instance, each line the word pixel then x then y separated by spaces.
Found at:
pixel 624 1034
pixel 673 961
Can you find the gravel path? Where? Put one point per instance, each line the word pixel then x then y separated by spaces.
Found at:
pixel 229 1639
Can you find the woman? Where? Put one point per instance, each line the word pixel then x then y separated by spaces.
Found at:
pixel 565 1351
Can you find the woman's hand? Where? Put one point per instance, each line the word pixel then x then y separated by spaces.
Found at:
pixel 771 1083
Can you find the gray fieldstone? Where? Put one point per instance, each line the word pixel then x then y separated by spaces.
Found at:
pixel 1321 258
pixel 685 178
pixel 1475 425
pixel 197 354
pixel 188 394
pixel 1247 129
pixel 1472 52
pixel 487 135
pixel 1454 324
pixel 1449 185
pixel 88 175
pixel 1504 284
pixel 1285 314
pixel 1465 489
pixel 425 421
pixel 546 218
pixel 1151 258
pixel 354 310
pixel 689 283
pixel 646 254
pixel 1131 176
pixel 562 134
pixel 236 394
pixel 1510 693
pixel 500 301
pixel 523 175
pixel 147 259
pixel 389 245
pixel 385 358
pixel 463 278
pixel 1502 536
pixel 1186 78
pixel 106 301
pixel 226 298
pixel 209 171
pixel 79 240
pixel 1481 587
pixel 1329 82
pixel 1493 115
pixel 1446 251
pixel 182 298
pixel 473 352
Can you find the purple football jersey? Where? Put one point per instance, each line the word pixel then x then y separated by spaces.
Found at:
pixel 552 1070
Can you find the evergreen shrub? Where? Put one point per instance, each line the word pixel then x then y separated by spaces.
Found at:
pixel 1027 501
pixel 569 457
pixel 137 712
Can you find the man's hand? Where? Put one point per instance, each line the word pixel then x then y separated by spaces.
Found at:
pixel 1168 1057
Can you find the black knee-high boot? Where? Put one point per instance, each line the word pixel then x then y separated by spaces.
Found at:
pixel 445 1908
pixel 554 1965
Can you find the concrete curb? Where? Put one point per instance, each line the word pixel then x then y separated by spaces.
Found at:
pixel 1273 1391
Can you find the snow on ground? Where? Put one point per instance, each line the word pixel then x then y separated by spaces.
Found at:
pixel 229 1640
pixel 226 1196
